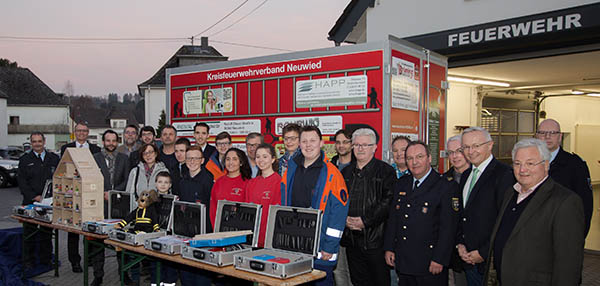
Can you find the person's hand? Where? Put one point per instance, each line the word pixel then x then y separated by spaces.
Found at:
pixel 325 255
pixel 462 252
pixel 390 258
pixel 37 198
pixel 355 223
pixel 435 268
pixel 475 257
pixel 117 226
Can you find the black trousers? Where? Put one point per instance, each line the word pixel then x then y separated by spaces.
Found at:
pixel 425 280
pixel 367 266
pixel 73 248
pixel 44 238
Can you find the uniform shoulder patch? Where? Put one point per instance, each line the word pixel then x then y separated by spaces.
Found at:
pixel 455 204
pixel 343 195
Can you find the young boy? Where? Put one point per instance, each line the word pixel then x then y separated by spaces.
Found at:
pixel 168 273
pixel 163 183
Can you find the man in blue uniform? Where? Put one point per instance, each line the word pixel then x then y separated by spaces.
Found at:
pixel 422 223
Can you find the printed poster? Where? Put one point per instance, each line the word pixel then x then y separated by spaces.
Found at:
pixel 405 85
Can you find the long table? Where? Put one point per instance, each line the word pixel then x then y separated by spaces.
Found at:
pixel 227 270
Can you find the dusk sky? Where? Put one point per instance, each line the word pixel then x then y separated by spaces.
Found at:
pixel 100 67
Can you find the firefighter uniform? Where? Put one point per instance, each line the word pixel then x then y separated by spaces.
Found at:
pixel 422 227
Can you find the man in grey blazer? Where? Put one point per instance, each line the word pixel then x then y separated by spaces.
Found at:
pixel 538 237
pixel 115 169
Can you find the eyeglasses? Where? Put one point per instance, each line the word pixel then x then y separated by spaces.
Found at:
pixel 222 144
pixel 252 145
pixel 148 153
pixel 466 148
pixel 193 158
pixel 81 130
pixel 418 157
pixel 547 133
pixel 455 152
pixel 290 138
pixel 345 142
pixel 528 165
pixel 362 146
pixel 130 132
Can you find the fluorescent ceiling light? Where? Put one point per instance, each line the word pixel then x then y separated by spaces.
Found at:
pixel 593 94
pixel 478 81
pixel 577 92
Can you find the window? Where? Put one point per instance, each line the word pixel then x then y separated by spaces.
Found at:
pixel 14 120
pixel 118 123
pixel 507 126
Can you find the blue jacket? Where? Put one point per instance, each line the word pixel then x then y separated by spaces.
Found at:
pixel 331 197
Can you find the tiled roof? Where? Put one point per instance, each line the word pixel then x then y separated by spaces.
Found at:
pixel 21 86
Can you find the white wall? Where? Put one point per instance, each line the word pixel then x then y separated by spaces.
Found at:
pixel 415 17
pixel 461 107
pixel 154 102
pixel 3 123
pixel 572 111
pixel 40 115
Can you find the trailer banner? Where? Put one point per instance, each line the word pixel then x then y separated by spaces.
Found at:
pixel 207 101
pixel 233 127
pixel 337 91
pixel 327 124
pixel 405 85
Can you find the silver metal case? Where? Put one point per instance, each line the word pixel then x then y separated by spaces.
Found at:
pixel 189 219
pixel 132 238
pixel 292 234
pixel 24 211
pixel 231 216
pixel 43 213
pixel 99 227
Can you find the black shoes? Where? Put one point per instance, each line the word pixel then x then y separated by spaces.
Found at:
pixel 76 268
pixel 97 282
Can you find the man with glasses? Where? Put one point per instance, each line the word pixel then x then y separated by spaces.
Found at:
pixel 252 141
pixel 81 134
pixel 343 148
pixel 311 181
pixel 370 184
pixel 566 168
pixel 482 189
pixel 291 141
pixel 539 236
pixel 422 222
pixel 216 163
pixel 130 140
pixel 147 136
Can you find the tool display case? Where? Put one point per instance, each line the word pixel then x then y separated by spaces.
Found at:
pixel 189 219
pixel 231 216
pixel 100 227
pixel 292 241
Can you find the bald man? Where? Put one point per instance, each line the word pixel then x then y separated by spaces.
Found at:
pixel 566 168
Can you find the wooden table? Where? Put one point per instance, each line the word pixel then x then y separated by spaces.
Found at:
pixel 227 270
pixel 88 237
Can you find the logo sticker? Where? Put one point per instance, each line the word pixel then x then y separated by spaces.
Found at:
pixel 455 204
pixel 343 195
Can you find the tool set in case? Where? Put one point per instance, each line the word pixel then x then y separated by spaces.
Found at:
pixel 189 219
pixel 120 204
pixel 231 216
pixel 42 213
pixel 100 227
pixel 165 211
pixel 24 211
pixel 291 243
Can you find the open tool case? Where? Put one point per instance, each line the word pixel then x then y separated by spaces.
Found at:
pixel 292 241
pixel 189 219
pixel 231 216
pixel 120 204
pixel 100 227
pixel 165 211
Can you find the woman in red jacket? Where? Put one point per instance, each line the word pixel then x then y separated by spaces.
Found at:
pixel 231 187
pixel 265 189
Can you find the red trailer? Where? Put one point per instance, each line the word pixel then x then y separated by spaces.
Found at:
pixel 392 86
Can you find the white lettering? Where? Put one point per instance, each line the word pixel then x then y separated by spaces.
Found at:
pixel 451 39
pixel 463 38
pixel 520 29
pixel 490 34
pixel 551 24
pixel 538 27
pixel 475 39
pixel 572 20
pixel 503 32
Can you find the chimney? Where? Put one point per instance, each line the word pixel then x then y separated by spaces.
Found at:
pixel 204 43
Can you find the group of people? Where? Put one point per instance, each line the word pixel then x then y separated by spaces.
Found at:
pixel 401 223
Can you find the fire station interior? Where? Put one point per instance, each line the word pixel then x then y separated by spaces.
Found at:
pixel 510 98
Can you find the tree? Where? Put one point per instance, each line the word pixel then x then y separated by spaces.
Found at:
pixel 162 121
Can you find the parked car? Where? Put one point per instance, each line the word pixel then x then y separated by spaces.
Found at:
pixel 11 153
pixel 8 172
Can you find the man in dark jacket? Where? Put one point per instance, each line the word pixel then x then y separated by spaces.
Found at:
pixel 343 148
pixel 567 169
pixel 114 167
pixel 482 188
pixel 370 182
pixel 81 134
pixel 35 168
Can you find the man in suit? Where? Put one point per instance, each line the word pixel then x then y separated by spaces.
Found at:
pixel 35 168
pixel 114 168
pixel 482 189
pixel 81 134
pixel 201 134
pixel 567 169
pixel 538 237
pixel 422 222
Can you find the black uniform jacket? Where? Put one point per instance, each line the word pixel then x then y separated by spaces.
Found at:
pixel 545 246
pixel 422 223
pixel 33 173
pixel 121 174
pixel 483 205
pixel 93 148
pixel 572 172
